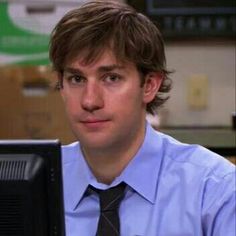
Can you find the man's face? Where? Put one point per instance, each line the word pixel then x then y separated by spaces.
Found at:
pixel 104 101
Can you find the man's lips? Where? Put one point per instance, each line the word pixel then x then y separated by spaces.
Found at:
pixel 93 121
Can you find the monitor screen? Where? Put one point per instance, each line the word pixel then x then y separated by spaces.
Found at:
pixel 190 7
pixel 31 192
pixel 178 19
pixel 191 3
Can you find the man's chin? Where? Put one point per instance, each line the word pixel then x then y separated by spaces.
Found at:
pixel 93 141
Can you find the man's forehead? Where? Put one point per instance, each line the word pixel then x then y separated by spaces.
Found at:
pixel 104 60
pixel 86 57
pixel 101 69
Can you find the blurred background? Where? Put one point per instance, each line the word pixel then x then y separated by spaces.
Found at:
pixel 200 41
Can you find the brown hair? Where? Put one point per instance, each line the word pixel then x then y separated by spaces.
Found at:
pixel 101 24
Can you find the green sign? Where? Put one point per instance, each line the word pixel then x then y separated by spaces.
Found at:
pixel 21 45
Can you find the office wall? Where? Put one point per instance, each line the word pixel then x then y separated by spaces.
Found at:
pixel 212 59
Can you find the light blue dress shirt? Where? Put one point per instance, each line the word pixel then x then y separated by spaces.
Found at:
pixel 174 189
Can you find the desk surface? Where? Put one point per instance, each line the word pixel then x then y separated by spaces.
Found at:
pixel 220 140
pixel 210 137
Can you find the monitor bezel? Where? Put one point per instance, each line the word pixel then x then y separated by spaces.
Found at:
pixel 50 152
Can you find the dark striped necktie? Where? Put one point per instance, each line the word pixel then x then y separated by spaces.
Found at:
pixel 109 223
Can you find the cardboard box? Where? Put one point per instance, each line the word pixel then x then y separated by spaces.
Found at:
pixel 30 108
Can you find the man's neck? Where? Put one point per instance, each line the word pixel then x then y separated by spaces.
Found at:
pixel 107 164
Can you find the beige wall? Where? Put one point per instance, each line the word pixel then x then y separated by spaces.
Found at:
pixel 216 60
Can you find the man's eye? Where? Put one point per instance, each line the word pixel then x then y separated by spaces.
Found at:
pixel 75 79
pixel 112 78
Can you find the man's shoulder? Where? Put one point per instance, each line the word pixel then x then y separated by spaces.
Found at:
pixel 194 156
pixel 70 152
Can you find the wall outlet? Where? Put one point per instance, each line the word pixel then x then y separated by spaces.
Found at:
pixel 198 91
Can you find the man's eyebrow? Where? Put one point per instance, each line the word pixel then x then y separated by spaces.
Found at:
pixel 105 68
pixel 108 68
pixel 72 70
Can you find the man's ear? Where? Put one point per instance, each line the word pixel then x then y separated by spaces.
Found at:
pixel 153 81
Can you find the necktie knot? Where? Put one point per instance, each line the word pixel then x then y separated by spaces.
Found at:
pixel 110 199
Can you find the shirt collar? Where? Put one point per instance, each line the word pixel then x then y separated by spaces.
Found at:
pixel 141 174
pixel 76 175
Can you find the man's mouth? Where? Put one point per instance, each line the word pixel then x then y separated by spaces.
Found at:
pixel 94 123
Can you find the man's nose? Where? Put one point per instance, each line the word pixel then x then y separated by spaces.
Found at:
pixel 92 97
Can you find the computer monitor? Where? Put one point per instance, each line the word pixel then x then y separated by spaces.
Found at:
pixel 31 192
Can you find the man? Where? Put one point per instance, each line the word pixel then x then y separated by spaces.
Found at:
pixel 111 69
